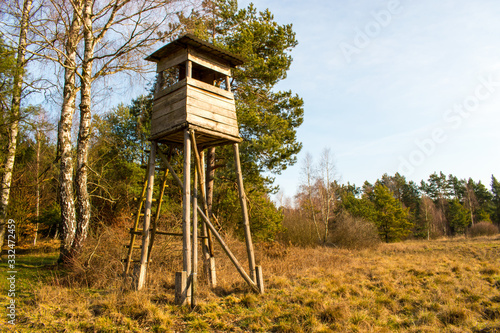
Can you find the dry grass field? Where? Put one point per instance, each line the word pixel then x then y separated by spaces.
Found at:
pixel 450 285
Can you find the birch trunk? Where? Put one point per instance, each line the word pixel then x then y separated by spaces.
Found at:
pixel 308 173
pixel 82 195
pixel 68 218
pixel 37 185
pixel 14 118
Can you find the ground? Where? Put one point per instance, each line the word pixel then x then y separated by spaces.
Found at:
pixel 450 285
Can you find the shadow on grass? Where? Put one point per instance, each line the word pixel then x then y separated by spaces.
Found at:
pixel 31 269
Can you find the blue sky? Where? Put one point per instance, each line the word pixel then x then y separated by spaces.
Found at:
pixel 395 85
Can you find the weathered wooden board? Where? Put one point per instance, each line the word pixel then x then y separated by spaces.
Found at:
pixel 168 121
pixel 205 95
pixel 224 109
pixel 168 90
pixel 212 116
pixel 195 103
pixel 212 125
pixel 173 59
pixel 205 86
pixel 209 62
pixel 167 105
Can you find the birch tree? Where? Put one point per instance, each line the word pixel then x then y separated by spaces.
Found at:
pixel 115 36
pixel 138 23
pixel 307 190
pixel 427 212
pixel 14 115
pixel 326 186
pixel 68 59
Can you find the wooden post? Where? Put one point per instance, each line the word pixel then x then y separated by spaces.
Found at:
pixel 194 274
pixel 244 212
pixel 180 288
pixel 228 83
pixel 159 82
pixel 186 215
pixel 147 218
pixel 210 262
pixel 260 278
pixel 189 68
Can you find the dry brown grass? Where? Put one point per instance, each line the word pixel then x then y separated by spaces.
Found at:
pixel 447 285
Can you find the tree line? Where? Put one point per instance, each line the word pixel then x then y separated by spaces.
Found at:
pixel 439 206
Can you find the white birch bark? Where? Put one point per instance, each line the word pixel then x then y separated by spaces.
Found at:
pixel 66 195
pixel 82 195
pixel 14 118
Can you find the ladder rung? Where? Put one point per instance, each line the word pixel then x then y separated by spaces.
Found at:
pixel 144 199
pixel 125 260
pixel 134 247
pixel 145 167
pixel 157 232
pixel 135 214
pixel 168 233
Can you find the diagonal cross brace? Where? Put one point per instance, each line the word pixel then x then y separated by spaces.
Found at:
pixel 223 244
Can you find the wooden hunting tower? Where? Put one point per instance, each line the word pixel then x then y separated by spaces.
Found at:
pixel 194 91
pixel 193 107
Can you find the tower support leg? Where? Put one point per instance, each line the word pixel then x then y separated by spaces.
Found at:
pixel 194 274
pixel 147 218
pixel 244 212
pixel 186 223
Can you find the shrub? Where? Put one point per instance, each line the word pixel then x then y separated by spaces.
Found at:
pixel 298 230
pixel 354 233
pixel 99 263
pixel 483 229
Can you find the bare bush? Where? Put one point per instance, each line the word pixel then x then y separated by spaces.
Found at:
pixel 299 230
pixel 354 233
pixel 483 229
pixel 99 263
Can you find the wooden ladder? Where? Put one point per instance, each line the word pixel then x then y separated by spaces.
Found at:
pixel 136 231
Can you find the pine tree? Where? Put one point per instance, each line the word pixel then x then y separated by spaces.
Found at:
pixel 458 217
pixel 268 119
pixel 495 189
pixel 391 218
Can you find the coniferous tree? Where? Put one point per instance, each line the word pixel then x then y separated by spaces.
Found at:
pixel 391 218
pixel 357 207
pixel 495 189
pixel 458 217
pixel 268 119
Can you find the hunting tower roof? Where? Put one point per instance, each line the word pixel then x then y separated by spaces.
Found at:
pixel 198 44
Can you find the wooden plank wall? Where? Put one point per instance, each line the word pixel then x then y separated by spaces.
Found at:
pixel 195 103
